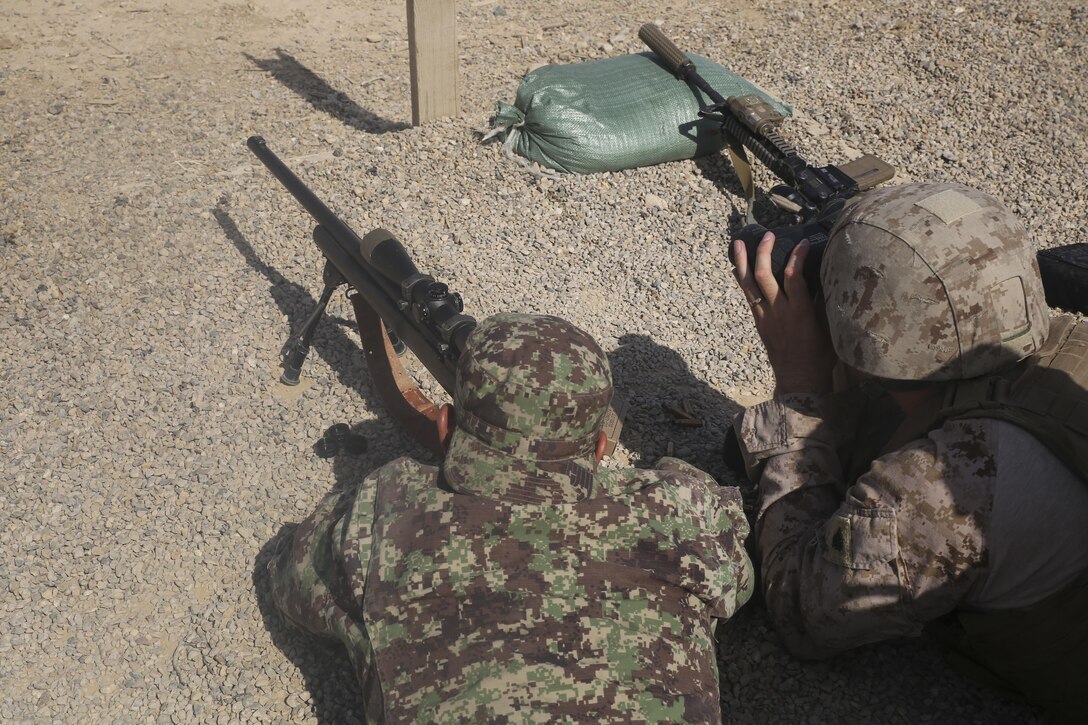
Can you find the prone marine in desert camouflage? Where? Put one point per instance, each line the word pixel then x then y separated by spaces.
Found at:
pixel 519 581
pixel 948 488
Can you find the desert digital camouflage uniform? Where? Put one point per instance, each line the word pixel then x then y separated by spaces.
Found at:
pixel 518 582
pixel 970 515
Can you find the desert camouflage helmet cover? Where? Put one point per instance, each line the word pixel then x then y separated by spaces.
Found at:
pixel 530 398
pixel 931 282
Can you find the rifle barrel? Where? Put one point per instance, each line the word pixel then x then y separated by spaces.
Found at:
pixel 675 60
pixel 301 192
pixel 377 269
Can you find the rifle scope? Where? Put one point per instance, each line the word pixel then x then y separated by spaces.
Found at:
pixel 387 255
pixel 421 311
pixel 429 301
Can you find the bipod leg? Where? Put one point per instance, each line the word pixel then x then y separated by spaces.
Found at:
pixel 398 344
pixel 294 351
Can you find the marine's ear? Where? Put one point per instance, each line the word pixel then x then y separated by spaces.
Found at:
pixel 445 423
pixel 602 444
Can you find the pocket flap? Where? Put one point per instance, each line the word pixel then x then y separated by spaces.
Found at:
pixel 859 538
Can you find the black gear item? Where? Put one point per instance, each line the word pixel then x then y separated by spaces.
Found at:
pixel 338 439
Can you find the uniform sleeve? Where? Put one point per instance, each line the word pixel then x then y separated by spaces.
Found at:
pixel 729 521
pixel 731 577
pixel 900 548
pixel 318 577
pixel 675 465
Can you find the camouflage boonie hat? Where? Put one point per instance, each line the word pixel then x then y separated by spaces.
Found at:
pixel 932 282
pixel 530 398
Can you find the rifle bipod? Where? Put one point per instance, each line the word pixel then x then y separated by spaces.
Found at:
pixel 294 351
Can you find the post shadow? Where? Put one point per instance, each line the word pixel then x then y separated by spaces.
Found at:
pixel 286 69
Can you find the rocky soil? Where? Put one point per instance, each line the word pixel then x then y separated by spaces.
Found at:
pixel 152 269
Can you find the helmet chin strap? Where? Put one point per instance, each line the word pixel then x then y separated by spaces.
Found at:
pixel 876 387
pixel 903 386
pixel 907 394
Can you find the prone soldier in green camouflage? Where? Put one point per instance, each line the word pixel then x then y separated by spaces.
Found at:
pixel 947 488
pixel 519 581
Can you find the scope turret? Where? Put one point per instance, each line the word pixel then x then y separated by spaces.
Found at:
pixel 430 302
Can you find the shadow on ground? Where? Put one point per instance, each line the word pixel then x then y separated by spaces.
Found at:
pixel 652 376
pixel 324 664
pixel 330 679
pixel 717 169
pixel 286 69
pixel 330 342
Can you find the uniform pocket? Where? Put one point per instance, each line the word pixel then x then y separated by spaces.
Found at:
pixel 860 538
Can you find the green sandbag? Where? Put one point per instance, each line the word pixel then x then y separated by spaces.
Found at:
pixel 617 113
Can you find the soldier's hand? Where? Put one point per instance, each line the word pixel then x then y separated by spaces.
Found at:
pixel 789 323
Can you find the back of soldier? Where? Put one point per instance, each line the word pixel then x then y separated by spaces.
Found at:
pixel 605 604
pixel 518 581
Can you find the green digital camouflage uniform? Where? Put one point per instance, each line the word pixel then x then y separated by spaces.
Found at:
pixel 518 582
pixel 968 516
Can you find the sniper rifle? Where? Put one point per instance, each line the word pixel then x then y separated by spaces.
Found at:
pixel 397 307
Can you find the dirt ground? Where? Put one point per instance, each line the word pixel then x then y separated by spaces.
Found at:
pixel 151 270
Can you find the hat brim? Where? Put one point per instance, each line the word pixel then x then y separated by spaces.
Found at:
pixel 473 467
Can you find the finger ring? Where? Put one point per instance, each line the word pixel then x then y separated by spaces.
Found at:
pixel 755 302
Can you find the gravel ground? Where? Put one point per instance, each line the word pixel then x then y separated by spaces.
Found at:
pixel 152 269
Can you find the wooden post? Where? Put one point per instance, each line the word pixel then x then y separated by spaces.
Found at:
pixel 432 52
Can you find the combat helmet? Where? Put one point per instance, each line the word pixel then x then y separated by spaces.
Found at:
pixel 931 282
pixel 530 399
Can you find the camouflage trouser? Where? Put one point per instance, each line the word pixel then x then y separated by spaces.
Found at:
pixel 318 577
